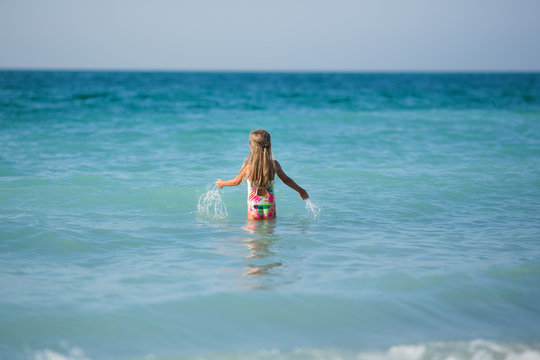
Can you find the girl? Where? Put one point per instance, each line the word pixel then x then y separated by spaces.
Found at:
pixel 259 169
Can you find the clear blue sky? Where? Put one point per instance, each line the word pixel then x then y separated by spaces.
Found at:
pixel 336 35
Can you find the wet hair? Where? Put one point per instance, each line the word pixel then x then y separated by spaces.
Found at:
pixel 260 162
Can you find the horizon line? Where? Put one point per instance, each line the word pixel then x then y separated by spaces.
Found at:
pixel 314 71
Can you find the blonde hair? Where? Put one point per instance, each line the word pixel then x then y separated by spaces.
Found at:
pixel 260 162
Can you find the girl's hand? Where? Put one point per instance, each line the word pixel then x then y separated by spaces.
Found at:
pixel 219 183
pixel 303 194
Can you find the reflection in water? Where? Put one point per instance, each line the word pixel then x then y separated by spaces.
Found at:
pixel 259 245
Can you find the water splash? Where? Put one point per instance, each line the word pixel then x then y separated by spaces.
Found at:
pixel 313 209
pixel 211 204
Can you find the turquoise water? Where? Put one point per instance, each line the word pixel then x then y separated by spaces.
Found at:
pixel 427 244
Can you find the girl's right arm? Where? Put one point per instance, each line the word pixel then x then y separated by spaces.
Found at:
pixel 290 182
pixel 232 182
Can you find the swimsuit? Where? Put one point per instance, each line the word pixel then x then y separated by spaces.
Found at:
pixel 261 207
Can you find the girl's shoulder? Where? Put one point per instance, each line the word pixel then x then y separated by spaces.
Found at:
pixel 245 167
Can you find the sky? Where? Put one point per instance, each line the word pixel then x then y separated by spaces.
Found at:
pixel 277 35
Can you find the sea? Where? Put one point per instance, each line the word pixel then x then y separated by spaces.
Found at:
pixel 420 239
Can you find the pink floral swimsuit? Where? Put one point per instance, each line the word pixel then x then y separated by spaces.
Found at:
pixel 261 207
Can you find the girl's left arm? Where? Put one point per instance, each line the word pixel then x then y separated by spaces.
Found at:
pixel 290 182
pixel 232 182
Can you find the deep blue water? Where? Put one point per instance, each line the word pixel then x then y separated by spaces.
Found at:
pixel 427 245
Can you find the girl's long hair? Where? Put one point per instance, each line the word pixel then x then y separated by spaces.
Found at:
pixel 260 162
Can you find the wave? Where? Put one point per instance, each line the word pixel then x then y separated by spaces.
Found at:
pixel 459 350
pixel 90 95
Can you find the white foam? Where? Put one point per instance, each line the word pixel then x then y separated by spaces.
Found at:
pixel 211 204
pixel 407 352
pixel 74 353
pixel 398 352
pixel 459 350
pixel 525 355
pixel 313 209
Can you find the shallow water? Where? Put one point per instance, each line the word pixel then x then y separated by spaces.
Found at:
pixel 421 239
